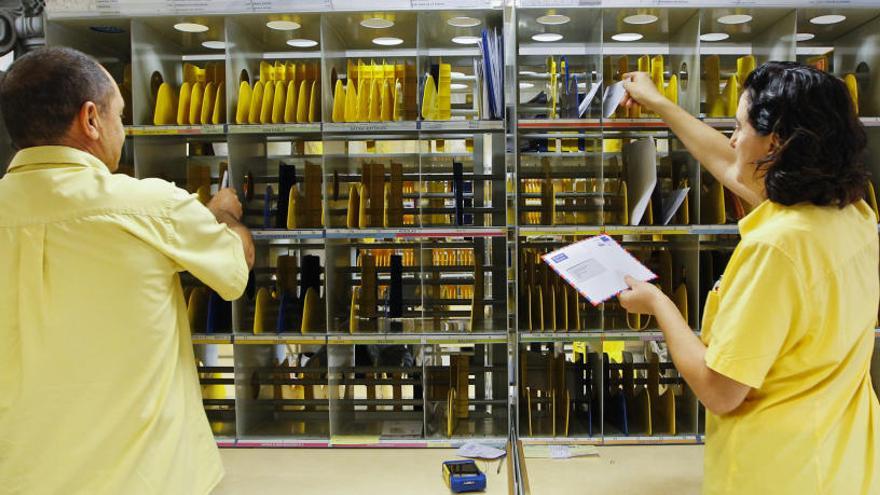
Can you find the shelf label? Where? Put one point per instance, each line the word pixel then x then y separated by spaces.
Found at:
pixel 451 4
pixel 359 4
pixel 291 5
pixel 558 3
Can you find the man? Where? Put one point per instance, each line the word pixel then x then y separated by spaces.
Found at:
pixel 98 386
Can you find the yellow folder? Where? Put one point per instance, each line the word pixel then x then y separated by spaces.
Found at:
pixel 245 95
pixel 183 104
pixel 256 103
pixel 262 320
pixel 219 111
pixel 290 103
pixel 166 106
pixel 312 320
pixel 681 299
pixel 354 201
pixel 302 104
pixel 353 322
pixel 429 99
pixel 713 86
pixel 314 102
pixel 292 208
pixel 853 88
pixel 278 99
pixel 397 104
pixel 444 92
pixel 195 103
pixel 266 72
pixel 552 90
pixel 375 100
pixel 208 100
pixel 672 89
pixel 730 97
pixel 268 100
pixel 744 66
pixel 338 114
pixel 351 102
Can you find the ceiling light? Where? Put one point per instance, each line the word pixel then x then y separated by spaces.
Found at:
pixel 190 27
pixel 466 40
pixel 547 37
pixel 735 19
pixel 553 19
pixel 463 22
pixel 302 43
pixel 526 85
pixel 626 37
pixel 283 25
pixel 387 41
pixel 377 23
pixel 214 45
pixel 458 86
pixel 828 19
pixel 640 19
pixel 804 36
pixel 714 36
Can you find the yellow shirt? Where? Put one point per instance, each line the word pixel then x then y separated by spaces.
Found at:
pixel 98 387
pixel 793 317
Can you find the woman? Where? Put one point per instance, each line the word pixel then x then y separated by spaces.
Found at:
pixel 782 362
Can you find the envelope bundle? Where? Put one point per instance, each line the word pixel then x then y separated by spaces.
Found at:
pixel 284 93
pixel 723 103
pixel 656 67
pixel 201 99
pixel 374 92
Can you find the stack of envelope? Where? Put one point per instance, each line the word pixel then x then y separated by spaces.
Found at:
pixel 723 103
pixel 285 92
pixel 200 100
pixel 656 67
pixel 373 92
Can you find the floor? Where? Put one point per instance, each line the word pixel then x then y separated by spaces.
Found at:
pixel 619 470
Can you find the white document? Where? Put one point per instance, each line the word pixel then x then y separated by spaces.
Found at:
pixel 476 450
pixel 672 202
pixel 640 162
pixel 224 181
pixel 585 104
pixel 596 267
pixel 612 98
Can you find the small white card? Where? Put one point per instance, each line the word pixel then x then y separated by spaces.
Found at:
pixel 596 267
pixel 611 99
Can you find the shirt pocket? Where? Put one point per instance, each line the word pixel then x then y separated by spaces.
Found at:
pixel 709 311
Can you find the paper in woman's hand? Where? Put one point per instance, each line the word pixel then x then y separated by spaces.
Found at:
pixel 596 267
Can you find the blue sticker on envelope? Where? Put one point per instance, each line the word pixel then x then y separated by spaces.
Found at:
pixel 559 258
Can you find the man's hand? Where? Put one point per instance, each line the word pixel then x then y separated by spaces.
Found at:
pixel 640 90
pixel 226 200
pixel 642 297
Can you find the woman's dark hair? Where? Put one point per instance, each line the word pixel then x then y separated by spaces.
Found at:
pixel 45 89
pixel 820 156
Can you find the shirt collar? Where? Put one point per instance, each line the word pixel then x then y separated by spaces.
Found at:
pixel 756 217
pixel 56 155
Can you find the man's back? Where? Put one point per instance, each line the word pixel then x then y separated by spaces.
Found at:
pixel 98 388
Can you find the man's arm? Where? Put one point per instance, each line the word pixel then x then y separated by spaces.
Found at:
pixel 227 209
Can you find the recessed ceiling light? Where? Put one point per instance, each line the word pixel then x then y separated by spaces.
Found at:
pixel 457 74
pixel 458 86
pixel 377 23
pixel 735 19
pixel 547 37
pixel 553 19
pixel 466 40
pixel 283 25
pixel 190 27
pixel 626 37
pixel 387 41
pixel 463 22
pixel 107 29
pixel 828 19
pixel 302 43
pixel 526 85
pixel 714 36
pixel 640 19
pixel 214 45
pixel 804 36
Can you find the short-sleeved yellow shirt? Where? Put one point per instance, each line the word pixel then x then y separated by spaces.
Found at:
pixel 98 387
pixel 793 317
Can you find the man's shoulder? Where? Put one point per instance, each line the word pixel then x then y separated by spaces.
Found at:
pixel 145 195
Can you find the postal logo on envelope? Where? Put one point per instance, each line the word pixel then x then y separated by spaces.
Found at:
pixel 559 258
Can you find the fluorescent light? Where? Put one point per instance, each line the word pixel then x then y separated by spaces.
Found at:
pixel 302 43
pixel 804 36
pixel 639 19
pixel 214 45
pixel 377 23
pixel 463 22
pixel 714 36
pixel 387 41
pixel 466 40
pixel 526 85
pixel 547 37
pixel 283 25
pixel 828 19
pixel 458 86
pixel 190 27
pixel 553 19
pixel 735 19
pixel 626 37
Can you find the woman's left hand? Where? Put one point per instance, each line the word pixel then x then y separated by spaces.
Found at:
pixel 642 297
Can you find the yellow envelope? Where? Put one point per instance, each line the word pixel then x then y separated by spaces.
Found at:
pixel 672 89
pixel 166 104
pixel 266 72
pixel 268 99
pixel 280 71
pixel 183 104
pixel 312 312
pixel 429 99
pixel 398 100
pixel 375 100
pixel 553 91
pixel 290 69
pixel 353 322
pixel 245 95
pixel 302 104
pixel 853 87
pixel 338 114
pixel 354 201
pixel 314 108
pixel 744 67
pixel 195 103
pixel 351 102
pixel 262 321
pixel 219 113
pixel 256 103
pixel 681 299
pixel 208 98
pixel 387 102
pixel 292 207
pixel 290 103
pixel 278 101
pixel 444 92
pixel 713 86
